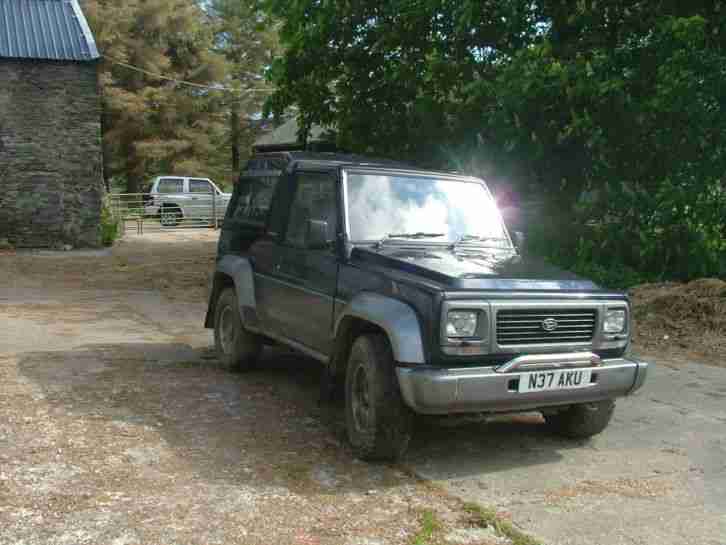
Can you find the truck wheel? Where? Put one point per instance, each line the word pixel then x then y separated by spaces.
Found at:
pixel 237 348
pixel 169 216
pixel 582 421
pixel 379 424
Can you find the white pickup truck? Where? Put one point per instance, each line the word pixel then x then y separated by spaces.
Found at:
pixel 176 198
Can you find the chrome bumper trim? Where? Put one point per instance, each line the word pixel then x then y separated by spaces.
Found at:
pixel 483 389
pixel 533 362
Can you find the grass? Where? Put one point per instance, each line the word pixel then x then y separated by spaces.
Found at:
pixel 109 225
pixel 487 518
pixel 297 473
pixel 430 525
pixel 477 516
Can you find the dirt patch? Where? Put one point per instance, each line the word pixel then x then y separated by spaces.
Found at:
pixel 118 426
pixel 175 263
pixel 681 320
pixel 628 488
pixel 101 445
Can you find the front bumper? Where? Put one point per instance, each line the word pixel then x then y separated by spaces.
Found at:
pixel 429 390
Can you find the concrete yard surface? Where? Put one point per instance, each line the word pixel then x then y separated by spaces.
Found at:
pixel 118 426
pixel 657 475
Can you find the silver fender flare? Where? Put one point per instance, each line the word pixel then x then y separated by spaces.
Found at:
pixel 395 317
pixel 239 269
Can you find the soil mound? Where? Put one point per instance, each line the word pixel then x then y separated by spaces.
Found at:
pixel 689 319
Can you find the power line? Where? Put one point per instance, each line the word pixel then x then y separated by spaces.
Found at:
pixel 188 83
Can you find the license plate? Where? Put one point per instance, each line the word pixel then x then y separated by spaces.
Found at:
pixel 562 379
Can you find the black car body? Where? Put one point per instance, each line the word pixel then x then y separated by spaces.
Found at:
pixel 466 323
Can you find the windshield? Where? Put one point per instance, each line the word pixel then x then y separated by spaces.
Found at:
pixel 382 206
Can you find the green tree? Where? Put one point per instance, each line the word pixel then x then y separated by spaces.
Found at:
pixel 613 112
pixel 247 38
pixel 195 119
pixel 391 77
pixel 153 124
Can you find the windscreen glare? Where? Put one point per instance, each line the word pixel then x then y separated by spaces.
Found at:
pixel 381 205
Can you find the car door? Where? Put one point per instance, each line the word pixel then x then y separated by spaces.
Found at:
pixel 170 193
pixel 300 288
pixel 168 189
pixel 201 193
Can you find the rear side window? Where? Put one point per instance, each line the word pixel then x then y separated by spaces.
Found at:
pixel 253 164
pixel 170 185
pixel 254 198
pixel 262 166
pixel 199 186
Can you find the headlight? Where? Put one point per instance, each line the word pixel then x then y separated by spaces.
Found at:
pixel 461 323
pixel 615 321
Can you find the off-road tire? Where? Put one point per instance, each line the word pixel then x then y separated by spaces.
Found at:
pixel 170 215
pixel 237 348
pixel 382 429
pixel 581 421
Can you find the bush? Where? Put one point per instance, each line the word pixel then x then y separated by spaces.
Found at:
pixel 575 249
pixel 109 225
pixel 629 235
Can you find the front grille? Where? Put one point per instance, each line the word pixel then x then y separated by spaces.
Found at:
pixel 525 326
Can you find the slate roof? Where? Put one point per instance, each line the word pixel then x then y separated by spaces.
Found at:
pixel 45 29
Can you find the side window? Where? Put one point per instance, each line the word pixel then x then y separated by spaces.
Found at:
pixel 254 194
pixel 314 200
pixel 170 185
pixel 200 186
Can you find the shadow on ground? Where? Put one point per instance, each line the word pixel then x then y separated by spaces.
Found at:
pixel 476 449
pixel 265 424
pixel 260 427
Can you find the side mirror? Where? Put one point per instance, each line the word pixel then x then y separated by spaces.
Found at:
pixel 519 241
pixel 316 235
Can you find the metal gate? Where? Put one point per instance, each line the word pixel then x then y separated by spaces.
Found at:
pixel 141 212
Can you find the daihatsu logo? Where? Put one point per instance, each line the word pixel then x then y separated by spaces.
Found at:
pixel 549 324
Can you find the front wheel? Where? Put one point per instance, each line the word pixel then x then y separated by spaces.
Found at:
pixel 581 421
pixel 237 348
pixel 379 424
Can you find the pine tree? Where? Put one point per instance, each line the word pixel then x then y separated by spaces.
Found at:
pixel 156 125
pixel 247 38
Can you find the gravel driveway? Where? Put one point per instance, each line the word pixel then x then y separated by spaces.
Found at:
pixel 116 426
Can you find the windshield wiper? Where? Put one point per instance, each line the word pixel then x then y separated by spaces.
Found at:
pixel 474 238
pixel 414 236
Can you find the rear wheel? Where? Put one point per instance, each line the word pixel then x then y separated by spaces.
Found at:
pixel 237 348
pixel 582 421
pixel 379 424
pixel 169 216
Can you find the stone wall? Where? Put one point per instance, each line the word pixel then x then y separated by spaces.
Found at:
pixel 51 178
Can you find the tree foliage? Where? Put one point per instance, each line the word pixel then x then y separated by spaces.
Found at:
pixel 181 123
pixel 613 112
pixel 247 39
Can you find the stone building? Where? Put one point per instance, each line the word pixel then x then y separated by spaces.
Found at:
pixel 51 177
